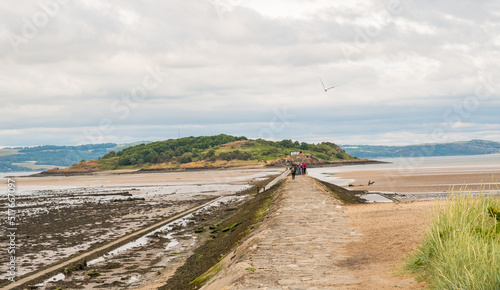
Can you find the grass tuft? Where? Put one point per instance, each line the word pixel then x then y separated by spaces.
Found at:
pixel 462 247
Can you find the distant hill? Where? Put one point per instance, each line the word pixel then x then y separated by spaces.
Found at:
pixel 211 152
pixel 215 151
pixel 50 156
pixel 473 147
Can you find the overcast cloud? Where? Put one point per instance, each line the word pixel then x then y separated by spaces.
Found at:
pixel 78 72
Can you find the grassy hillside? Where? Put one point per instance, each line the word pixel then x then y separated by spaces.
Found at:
pixel 49 156
pixel 8 151
pixel 213 151
pixel 473 147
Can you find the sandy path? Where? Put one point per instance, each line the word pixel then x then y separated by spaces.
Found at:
pixel 390 232
pixel 311 241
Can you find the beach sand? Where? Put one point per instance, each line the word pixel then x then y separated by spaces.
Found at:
pixel 390 232
pixel 425 180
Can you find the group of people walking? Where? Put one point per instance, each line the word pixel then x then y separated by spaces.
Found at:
pixel 298 168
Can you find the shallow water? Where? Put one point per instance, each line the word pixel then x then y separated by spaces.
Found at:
pixel 370 198
pixel 17 173
pixel 58 277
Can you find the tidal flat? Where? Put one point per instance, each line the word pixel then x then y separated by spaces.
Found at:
pixel 58 216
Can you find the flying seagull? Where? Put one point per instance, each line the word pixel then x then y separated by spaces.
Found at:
pixel 326 89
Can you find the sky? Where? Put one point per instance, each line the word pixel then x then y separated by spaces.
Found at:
pixel 97 71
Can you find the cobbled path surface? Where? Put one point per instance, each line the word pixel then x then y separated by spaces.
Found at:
pixel 299 246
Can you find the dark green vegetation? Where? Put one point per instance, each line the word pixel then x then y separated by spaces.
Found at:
pixel 224 236
pixel 214 149
pixel 48 156
pixel 473 147
pixel 461 249
pixel 199 152
pixel 183 150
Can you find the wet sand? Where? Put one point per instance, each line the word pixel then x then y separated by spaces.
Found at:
pixel 425 181
pixel 434 178
pixel 107 179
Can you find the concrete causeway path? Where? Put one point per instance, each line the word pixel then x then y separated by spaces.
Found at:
pixel 298 246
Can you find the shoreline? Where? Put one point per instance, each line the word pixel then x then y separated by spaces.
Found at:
pixel 166 191
pixel 59 216
pixel 194 169
pixel 431 178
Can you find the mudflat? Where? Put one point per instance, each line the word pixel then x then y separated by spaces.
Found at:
pixel 59 216
pixel 125 178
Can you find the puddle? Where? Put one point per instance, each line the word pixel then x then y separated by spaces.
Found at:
pixel 319 173
pixel 172 244
pixel 373 197
pixel 58 277
pixel 134 279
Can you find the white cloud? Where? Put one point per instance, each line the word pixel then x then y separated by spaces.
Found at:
pixel 291 9
pixel 227 64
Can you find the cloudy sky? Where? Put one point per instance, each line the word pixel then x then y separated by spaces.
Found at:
pixel 94 71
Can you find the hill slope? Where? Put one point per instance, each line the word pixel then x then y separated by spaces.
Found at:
pixel 49 156
pixel 473 147
pixel 211 152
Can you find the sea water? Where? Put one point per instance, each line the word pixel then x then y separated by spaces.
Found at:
pixel 17 173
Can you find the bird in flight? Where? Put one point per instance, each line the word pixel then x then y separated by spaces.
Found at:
pixel 325 88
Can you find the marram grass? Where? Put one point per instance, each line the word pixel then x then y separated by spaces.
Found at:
pixel 462 247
